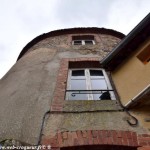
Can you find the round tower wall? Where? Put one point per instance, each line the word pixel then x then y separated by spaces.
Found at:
pixel 27 90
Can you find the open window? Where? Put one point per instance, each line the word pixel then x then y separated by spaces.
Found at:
pixel 83 40
pixel 88 84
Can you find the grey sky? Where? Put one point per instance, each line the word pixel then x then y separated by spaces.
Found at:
pixel 23 20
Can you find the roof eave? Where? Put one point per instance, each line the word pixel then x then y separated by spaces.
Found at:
pixel 145 23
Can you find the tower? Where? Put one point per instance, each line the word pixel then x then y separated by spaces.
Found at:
pixel 59 94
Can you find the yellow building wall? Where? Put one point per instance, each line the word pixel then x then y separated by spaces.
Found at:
pixel 131 77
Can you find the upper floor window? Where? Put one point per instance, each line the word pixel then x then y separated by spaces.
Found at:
pixel 83 40
pixel 88 84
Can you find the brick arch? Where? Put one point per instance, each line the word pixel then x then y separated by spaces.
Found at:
pixel 94 139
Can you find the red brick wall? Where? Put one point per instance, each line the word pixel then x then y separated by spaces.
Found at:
pixel 112 138
pixel 144 139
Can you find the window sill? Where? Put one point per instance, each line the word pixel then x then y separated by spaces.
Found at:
pixel 91 105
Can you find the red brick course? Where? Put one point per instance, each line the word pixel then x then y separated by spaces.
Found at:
pixel 97 137
pixel 144 148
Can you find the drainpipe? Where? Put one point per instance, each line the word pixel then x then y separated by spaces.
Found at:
pixel 137 97
pixel 42 125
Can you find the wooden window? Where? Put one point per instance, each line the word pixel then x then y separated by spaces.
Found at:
pixel 88 84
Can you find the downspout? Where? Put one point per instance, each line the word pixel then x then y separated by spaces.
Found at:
pixel 42 125
pixel 125 109
pixel 128 121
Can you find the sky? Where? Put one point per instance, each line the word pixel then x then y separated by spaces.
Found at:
pixel 23 20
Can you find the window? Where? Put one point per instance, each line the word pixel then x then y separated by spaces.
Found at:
pixel 83 40
pixel 144 56
pixel 88 84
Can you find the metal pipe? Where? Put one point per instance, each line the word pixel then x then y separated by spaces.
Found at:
pixel 40 136
pixel 137 97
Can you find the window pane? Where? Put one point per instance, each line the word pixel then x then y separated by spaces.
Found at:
pixel 98 85
pixel 77 42
pixel 90 42
pixel 76 96
pixel 78 85
pixel 96 73
pixel 78 73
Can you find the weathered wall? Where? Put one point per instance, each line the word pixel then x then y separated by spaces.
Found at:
pixel 27 90
pixel 25 95
pixel 104 44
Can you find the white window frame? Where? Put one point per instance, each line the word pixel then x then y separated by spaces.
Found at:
pixel 83 42
pixel 88 82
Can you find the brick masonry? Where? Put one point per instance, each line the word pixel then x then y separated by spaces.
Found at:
pixel 107 138
pixel 59 94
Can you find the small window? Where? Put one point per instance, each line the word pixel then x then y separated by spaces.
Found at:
pixel 88 84
pixel 144 56
pixel 83 40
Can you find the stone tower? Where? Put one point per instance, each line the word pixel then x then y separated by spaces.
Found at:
pixel 58 88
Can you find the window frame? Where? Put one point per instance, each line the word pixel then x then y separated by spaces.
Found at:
pixel 83 42
pixel 88 82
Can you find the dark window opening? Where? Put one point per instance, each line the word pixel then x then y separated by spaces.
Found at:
pixel 78 42
pixel 78 73
pixel 90 42
pixel 96 73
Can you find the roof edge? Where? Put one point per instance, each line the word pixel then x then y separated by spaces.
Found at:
pixel 144 23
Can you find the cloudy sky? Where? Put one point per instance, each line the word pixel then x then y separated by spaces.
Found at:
pixel 23 20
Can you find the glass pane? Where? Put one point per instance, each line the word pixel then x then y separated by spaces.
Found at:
pixel 98 85
pixel 76 96
pixel 78 73
pixel 78 85
pixel 96 73
pixel 89 42
pixel 77 42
